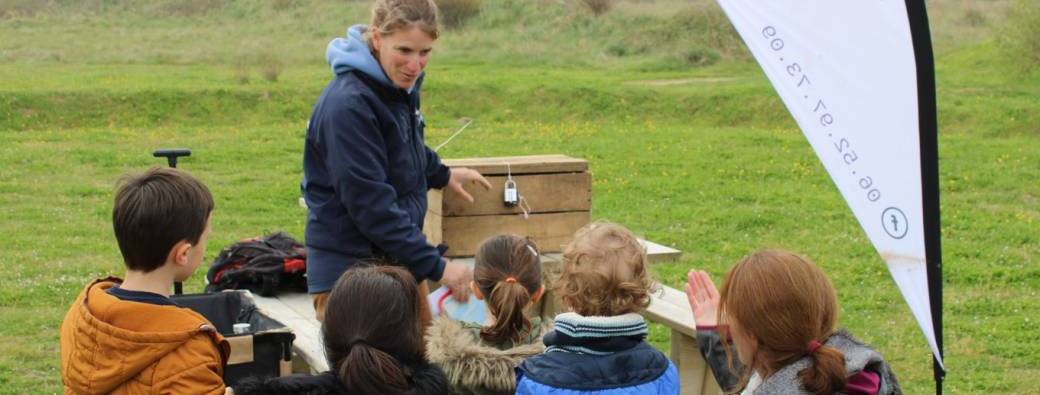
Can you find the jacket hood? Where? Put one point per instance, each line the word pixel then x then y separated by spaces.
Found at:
pixel 345 54
pixel 113 340
pixel 468 362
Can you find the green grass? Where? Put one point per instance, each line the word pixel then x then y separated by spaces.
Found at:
pixel 713 165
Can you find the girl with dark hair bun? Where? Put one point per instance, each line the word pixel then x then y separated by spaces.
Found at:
pixel 374 345
pixel 480 358
pixel 778 312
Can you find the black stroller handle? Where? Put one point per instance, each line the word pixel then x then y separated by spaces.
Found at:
pixel 171 154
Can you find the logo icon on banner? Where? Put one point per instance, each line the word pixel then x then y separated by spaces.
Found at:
pixel 894 222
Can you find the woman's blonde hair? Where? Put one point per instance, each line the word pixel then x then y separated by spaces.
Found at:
pixel 604 272
pixel 785 302
pixel 391 16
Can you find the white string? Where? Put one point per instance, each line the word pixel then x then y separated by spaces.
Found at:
pixel 437 148
pixel 526 208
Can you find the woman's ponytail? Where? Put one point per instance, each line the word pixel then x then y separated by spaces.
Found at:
pixel 369 370
pixel 826 375
pixel 507 302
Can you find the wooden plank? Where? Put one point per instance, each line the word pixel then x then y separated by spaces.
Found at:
pixel 657 253
pixel 669 306
pixel 711 386
pixel 550 232
pixel 692 367
pixel 542 192
pixel 432 225
pixel 530 164
pixel 292 310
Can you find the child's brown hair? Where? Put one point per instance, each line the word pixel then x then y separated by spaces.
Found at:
pixel 155 210
pixel 508 272
pixel 604 272
pixel 786 302
pixel 372 327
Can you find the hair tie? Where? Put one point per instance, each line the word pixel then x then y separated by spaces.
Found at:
pixel 533 251
pixel 812 346
pixel 510 279
pixel 356 342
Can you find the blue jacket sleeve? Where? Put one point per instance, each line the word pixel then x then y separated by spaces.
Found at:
pixel 437 174
pixel 357 161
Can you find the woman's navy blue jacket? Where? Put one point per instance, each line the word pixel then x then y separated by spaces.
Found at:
pixel 366 173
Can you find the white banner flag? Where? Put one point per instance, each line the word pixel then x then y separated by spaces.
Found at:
pixel 846 71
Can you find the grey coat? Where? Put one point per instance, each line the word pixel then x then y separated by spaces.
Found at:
pixel 858 357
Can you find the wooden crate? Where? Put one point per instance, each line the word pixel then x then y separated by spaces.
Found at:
pixel 557 188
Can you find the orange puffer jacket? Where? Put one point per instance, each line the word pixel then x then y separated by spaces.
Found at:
pixel 110 345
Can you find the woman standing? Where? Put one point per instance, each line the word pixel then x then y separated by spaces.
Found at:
pixel 366 166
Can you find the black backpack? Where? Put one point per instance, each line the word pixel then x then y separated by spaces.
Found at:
pixel 262 265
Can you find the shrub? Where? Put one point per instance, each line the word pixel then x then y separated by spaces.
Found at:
pixel 241 70
pixel 270 67
pixel 282 5
pixel 1021 35
pixel 188 7
pixel 699 56
pixel 708 26
pixel 974 17
pixel 20 8
pixel 597 7
pixel 617 49
pixel 455 13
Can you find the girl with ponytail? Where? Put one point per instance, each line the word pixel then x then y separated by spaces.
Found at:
pixel 480 358
pixel 778 312
pixel 373 341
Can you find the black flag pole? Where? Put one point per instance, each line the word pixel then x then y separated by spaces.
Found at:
pixel 928 128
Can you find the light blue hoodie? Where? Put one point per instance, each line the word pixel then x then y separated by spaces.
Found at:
pixel 351 53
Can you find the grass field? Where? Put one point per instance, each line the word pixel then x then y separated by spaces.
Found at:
pixel 688 146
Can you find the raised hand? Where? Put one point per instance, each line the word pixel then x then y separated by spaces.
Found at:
pixel 703 297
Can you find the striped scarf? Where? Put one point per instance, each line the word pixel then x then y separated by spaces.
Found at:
pixel 595 335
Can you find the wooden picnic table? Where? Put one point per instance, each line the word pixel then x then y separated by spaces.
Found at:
pixel 668 307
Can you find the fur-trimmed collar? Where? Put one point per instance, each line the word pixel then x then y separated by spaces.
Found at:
pixel 469 363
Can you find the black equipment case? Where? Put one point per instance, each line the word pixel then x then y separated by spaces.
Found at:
pixel 264 351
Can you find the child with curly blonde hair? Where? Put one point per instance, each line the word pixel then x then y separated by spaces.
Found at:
pixel 599 346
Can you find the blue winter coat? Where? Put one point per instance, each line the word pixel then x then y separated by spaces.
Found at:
pixel 639 370
pixel 366 171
